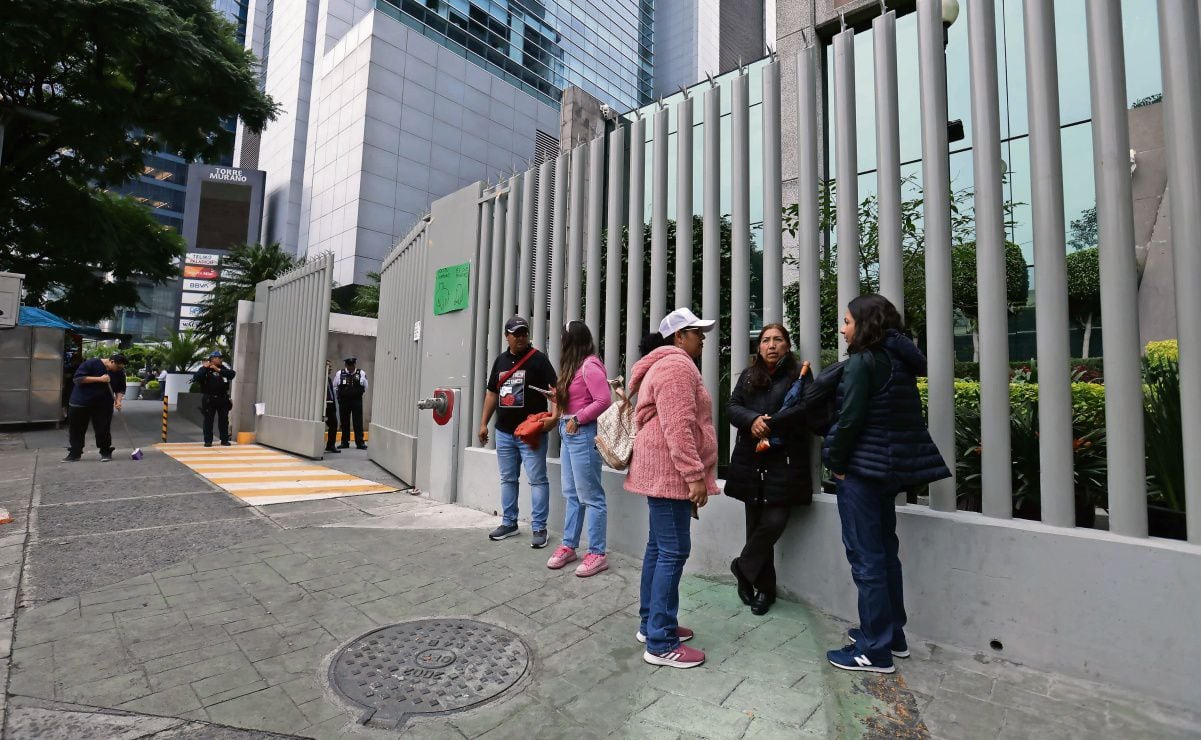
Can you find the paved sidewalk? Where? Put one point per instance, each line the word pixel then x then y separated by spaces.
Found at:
pixel 239 636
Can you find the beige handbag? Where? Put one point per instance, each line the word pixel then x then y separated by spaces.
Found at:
pixel 615 429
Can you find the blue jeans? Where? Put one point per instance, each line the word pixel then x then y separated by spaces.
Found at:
pixel 511 454
pixel 867 509
pixel 582 488
pixel 667 549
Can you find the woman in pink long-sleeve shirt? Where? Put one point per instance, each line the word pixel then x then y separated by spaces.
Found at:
pixel 582 394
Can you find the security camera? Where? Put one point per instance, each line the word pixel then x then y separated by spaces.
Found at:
pixel 607 112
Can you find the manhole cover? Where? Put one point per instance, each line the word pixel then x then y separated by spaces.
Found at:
pixel 427 666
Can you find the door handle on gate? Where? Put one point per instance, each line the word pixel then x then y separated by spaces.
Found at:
pixel 442 404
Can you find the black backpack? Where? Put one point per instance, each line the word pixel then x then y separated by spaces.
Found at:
pixel 820 397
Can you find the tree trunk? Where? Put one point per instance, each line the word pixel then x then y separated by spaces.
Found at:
pixel 975 344
pixel 1088 335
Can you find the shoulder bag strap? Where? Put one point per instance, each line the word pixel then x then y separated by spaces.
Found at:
pixel 509 373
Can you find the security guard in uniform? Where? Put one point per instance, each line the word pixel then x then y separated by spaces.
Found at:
pixel 352 384
pixel 214 379
pixel 331 410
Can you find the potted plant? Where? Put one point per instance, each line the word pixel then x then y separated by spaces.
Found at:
pixel 152 391
pixel 133 389
pixel 180 352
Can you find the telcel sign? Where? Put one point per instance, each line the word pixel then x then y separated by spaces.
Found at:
pixel 227 174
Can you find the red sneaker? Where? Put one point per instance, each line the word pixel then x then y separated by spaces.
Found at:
pixel 563 555
pixel 681 657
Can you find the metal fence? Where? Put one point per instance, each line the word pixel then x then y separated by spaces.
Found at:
pixel 398 354
pixel 588 258
pixel 291 383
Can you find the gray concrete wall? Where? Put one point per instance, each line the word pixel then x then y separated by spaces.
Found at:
pixel 1076 601
pixel 354 336
pixel 247 345
pixel 580 118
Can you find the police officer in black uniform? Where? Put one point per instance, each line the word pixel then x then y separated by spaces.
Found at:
pixel 214 379
pixel 331 410
pixel 352 384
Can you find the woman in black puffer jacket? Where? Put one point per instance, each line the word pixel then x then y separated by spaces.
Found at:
pixel 769 481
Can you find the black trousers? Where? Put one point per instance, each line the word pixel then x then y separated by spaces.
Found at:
pixel 764 525
pixel 331 425
pixel 101 419
pixel 215 407
pixel 352 410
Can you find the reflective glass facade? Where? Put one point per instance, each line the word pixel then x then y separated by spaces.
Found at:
pixel 544 47
pixel 1143 84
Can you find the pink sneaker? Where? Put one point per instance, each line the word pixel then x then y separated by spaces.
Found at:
pixel 592 565
pixel 562 556
pixel 682 657
pixel 683 634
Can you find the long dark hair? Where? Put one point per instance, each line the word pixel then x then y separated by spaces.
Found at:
pixel 759 375
pixel 578 346
pixel 654 341
pixel 874 316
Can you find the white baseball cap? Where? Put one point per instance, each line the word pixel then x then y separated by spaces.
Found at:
pixel 682 318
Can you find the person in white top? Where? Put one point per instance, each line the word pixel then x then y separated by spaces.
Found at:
pixel 351 384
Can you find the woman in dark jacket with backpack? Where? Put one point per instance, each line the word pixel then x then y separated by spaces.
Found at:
pixel 769 466
pixel 878 447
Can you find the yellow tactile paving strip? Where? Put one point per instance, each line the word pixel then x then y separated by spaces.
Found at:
pixel 260 475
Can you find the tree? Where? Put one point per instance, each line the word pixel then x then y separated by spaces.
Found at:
pixel 366 298
pixel 88 88
pixel 963 285
pixel 182 350
pixel 1083 232
pixel 245 267
pixel 1084 290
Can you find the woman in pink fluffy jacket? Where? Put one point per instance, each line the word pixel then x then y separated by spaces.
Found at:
pixel 675 467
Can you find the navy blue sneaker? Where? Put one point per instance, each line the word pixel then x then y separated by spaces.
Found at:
pixel 850 658
pixel 900 648
pixel 504 531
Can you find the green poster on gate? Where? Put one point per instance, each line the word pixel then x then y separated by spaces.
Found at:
pixel 450 288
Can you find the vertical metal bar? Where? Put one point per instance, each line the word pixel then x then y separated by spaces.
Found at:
pixel 575 249
pixel 541 261
pixel 888 160
pixel 596 207
pixel 611 350
pixel 711 241
pixel 512 248
pixel 1119 279
pixel 483 281
pixel 1051 295
pixel 659 217
pixel 496 313
pixel 526 267
pixel 848 174
pixel 936 215
pixel 993 318
pixel 740 244
pixel 808 232
pixel 1180 56
pixel 559 222
pixel 684 235
pixel 635 321
pixel 773 235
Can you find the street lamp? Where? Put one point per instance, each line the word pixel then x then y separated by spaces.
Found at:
pixel 950 14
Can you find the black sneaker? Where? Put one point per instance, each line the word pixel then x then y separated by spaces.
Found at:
pixel 71 458
pixel 106 457
pixel 538 541
pixel 334 450
pixel 900 647
pixel 345 445
pixel 208 444
pixel 503 532
pixel 226 444
pixel 361 447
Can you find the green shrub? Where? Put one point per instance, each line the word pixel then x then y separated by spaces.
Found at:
pixel 1088 399
pixel 1088 369
pixel 1157 352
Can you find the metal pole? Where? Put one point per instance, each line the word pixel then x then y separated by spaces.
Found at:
pixel 541 261
pixel 659 217
pixel 575 249
pixel 512 248
pixel 936 214
pixel 613 252
pixel 740 241
pixel 773 230
pixel 496 313
pixel 847 157
pixel 1057 481
pixel 559 221
pixel 1180 56
pixel 635 321
pixel 809 314
pixel 711 241
pixel 483 278
pixel 165 408
pixel 596 206
pixel 888 161
pixel 993 318
pixel 1119 278
pixel 526 267
pixel 684 156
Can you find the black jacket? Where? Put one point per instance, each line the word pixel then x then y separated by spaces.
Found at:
pixel 881 431
pixel 779 476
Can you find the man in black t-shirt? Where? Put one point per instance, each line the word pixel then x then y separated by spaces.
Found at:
pixel 98 388
pixel 513 393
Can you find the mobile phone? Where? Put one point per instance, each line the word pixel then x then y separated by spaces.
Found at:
pixel 543 391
